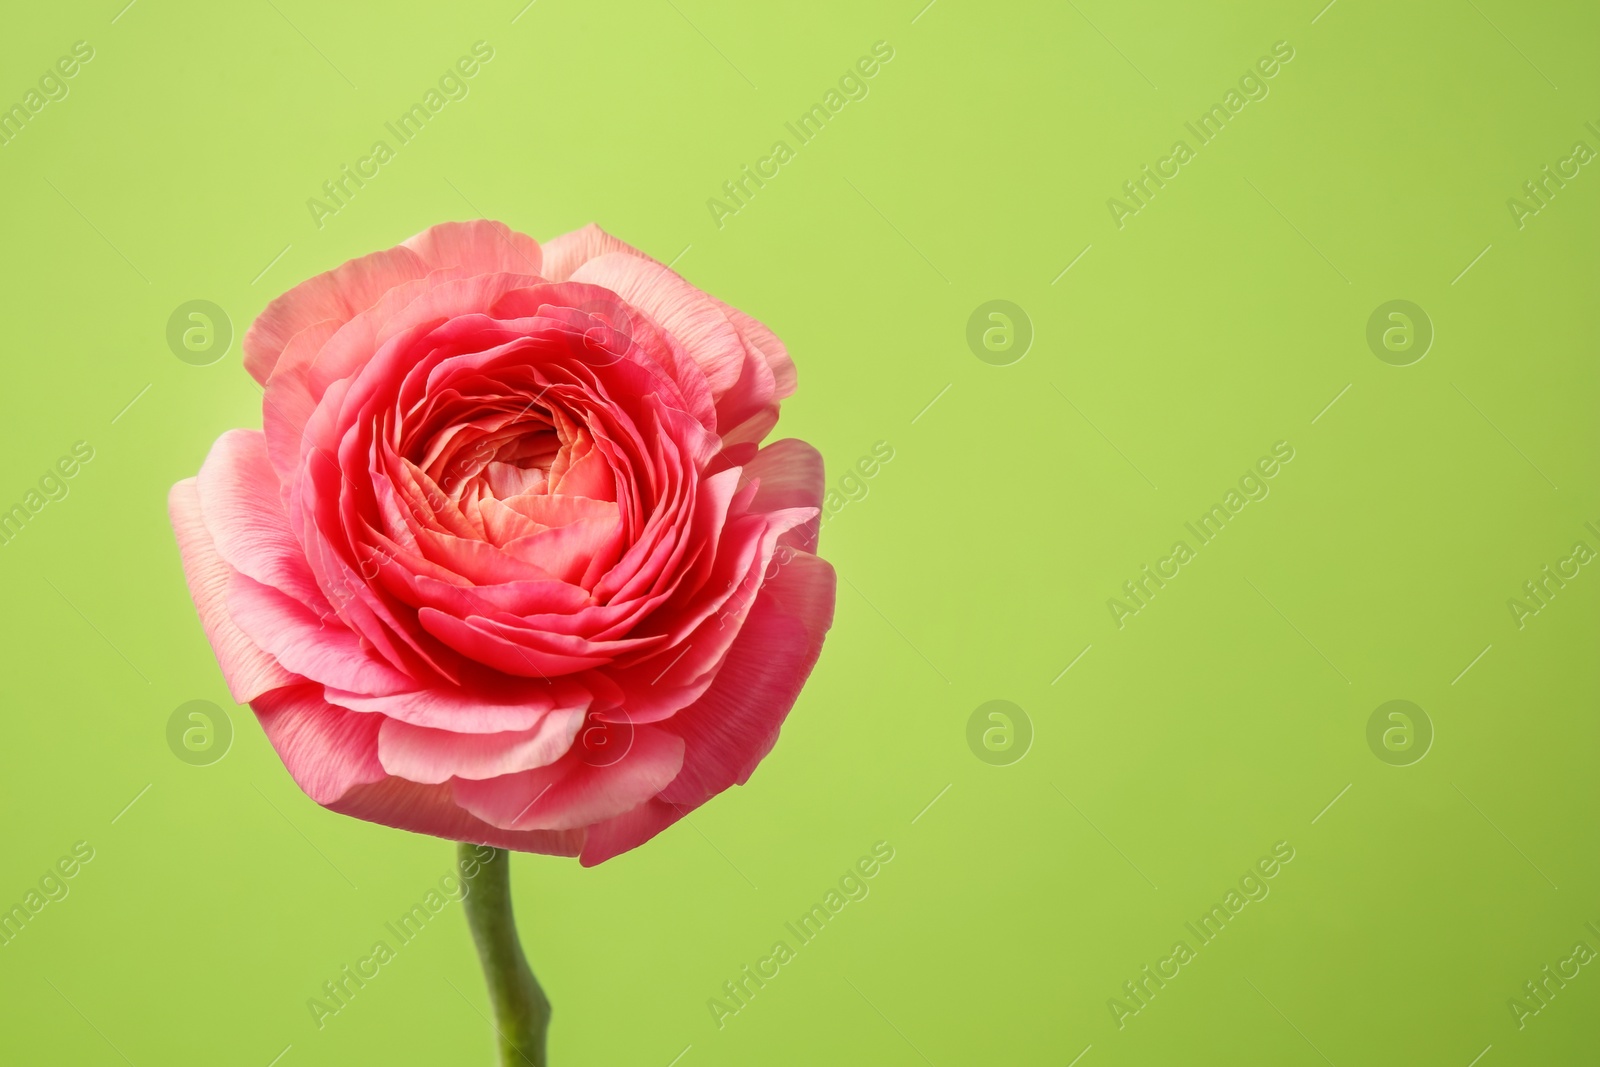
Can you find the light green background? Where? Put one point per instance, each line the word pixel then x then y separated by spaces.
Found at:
pixel 1222 719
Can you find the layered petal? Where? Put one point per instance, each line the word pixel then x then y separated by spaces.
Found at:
pixel 422 754
pixel 479 247
pixel 789 474
pixel 432 809
pixel 508 563
pixel 565 254
pixel 243 509
pixel 733 726
pixel 337 297
pixel 577 792
pixel 328 751
pixel 246 667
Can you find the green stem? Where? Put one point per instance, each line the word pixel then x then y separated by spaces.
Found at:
pixel 521 1012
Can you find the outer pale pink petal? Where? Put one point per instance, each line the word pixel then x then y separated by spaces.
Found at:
pixel 341 294
pixel 573 794
pixel 318 647
pixel 751 395
pixel 567 253
pixel 479 246
pixel 287 405
pixel 735 723
pixel 424 755
pixel 327 750
pixel 791 476
pixel 689 315
pixel 248 670
pixel 429 809
pixel 244 511
pixel 762 340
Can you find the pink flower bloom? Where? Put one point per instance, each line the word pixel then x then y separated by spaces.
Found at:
pixel 508 563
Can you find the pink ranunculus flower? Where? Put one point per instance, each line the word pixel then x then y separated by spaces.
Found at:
pixel 508 563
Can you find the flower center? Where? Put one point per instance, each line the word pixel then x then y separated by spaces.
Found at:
pixel 505 454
